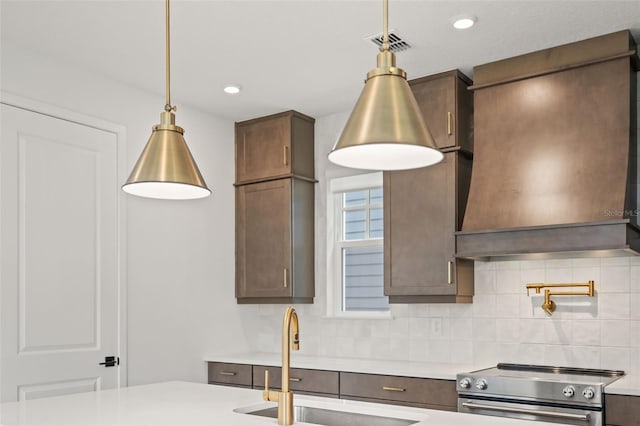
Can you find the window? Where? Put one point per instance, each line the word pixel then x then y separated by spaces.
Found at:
pixel 355 247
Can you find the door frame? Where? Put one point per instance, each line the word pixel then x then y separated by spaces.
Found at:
pixel 120 133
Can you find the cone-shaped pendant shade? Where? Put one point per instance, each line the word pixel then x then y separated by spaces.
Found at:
pixel 386 130
pixel 166 168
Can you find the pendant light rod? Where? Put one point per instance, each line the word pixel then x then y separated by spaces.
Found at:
pixel 167 105
pixel 385 25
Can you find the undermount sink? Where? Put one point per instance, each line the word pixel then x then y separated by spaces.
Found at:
pixel 327 417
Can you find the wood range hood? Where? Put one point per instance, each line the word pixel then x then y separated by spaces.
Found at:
pixel 555 161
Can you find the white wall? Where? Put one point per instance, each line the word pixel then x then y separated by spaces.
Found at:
pixel 502 324
pixel 180 253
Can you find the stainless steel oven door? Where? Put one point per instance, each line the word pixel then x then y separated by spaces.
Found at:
pixel 529 411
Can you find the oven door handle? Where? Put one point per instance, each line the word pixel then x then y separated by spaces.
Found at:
pixel 473 406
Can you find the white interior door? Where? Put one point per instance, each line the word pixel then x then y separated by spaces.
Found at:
pixel 59 276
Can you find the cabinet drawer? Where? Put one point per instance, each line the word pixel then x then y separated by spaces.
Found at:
pixel 301 380
pixel 426 392
pixel 230 374
pixel 622 410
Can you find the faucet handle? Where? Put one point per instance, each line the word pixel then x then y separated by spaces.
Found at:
pixel 265 393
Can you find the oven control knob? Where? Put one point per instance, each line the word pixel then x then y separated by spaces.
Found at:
pixel 588 393
pixel 569 391
pixel 481 384
pixel 465 383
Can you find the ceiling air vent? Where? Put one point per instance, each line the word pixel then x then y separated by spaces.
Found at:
pixel 397 43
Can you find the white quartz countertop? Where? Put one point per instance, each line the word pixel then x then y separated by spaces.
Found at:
pixel 195 404
pixel 353 365
pixel 627 385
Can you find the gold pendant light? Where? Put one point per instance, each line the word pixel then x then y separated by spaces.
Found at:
pixel 166 169
pixel 386 130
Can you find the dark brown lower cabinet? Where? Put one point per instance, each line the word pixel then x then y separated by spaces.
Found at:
pixel 304 381
pixel 396 390
pixel 622 410
pixel 222 373
pixel 410 391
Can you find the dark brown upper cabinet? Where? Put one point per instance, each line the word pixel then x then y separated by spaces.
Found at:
pixel 423 208
pixel 274 242
pixel 275 209
pixel 275 146
pixel 447 108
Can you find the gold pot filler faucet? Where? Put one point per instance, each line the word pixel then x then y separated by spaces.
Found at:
pixel 549 305
pixel 284 398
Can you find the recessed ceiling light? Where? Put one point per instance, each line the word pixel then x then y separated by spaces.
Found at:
pixel 464 22
pixel 232 89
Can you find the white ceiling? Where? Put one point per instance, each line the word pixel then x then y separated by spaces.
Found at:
pixel 304 55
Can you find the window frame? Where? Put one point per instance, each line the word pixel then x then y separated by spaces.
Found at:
pixel 335 244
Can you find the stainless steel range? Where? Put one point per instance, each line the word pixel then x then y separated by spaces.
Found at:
pixel 573 396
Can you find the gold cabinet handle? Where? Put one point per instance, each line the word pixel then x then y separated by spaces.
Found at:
pixel 295 379
pixel 393 389
pixel 449 123
pixel 450 272
pixel 284 278
pixel 285 155
pixel 228 373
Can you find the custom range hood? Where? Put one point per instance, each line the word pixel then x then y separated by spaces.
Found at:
pixel 555 161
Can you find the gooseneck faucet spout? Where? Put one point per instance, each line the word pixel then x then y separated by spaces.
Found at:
pixel 284 398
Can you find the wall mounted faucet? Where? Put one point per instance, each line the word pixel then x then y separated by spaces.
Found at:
pixel 549 305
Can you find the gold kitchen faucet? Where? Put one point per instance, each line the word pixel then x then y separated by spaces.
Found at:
pixel 284 398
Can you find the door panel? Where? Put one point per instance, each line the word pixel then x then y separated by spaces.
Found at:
pixel 263 149
pixel 263 230
pixel 419 230
pixel 59 244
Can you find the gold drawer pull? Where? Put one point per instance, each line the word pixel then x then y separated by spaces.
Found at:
pixel 285 155
pixel 284 278
pixel 449 272
pixel 393 389
pixel 295 379
pixel 228 373
pixel 449 123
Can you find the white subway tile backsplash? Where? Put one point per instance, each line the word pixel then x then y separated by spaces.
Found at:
pixel 508 306
pixel 634 334
pixel 613 305
pixel 586 333
pixel 586 356
pixel 615 358
pixel 461 328
pixel 484 329
pixel 461 351
pixel 558 355
pixel 614 261
pixel 509 281
pixel 558 263
pixel 614 279
pixel 484 305
pixel 615 333
pixel 502 325
pixel 507 330
pixel 557 332
pixel 559 275
pixel 532 331
pixel 634 277
pixel 419 328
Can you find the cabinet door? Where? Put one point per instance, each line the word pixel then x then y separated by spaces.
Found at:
pixel 263 239
pixel 420 221
pixel 436 98
pixel 263 149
